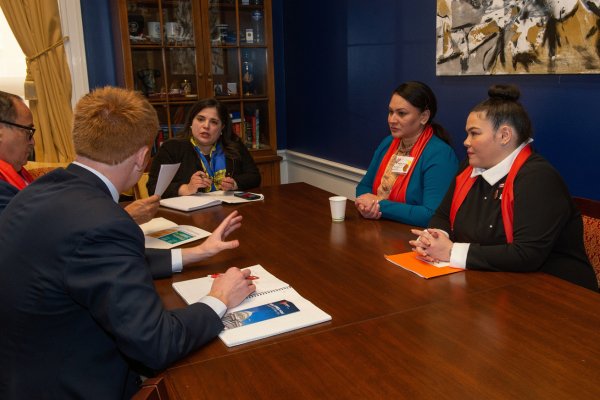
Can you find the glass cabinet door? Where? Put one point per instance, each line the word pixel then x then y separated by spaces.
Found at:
pixel 225 73
pixel 222 17
pixel 148 72
pixel 178 24
pixel 163 51
pixel 144 21
pixel 252 23
pixel 178 51
pixel 239 65
pixel 181 73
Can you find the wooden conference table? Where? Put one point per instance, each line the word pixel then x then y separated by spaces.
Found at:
pixel 392 334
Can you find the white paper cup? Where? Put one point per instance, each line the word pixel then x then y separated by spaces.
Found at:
pixel 338 207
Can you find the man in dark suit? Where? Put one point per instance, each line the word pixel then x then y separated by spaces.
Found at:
pixel 16 123
pixel 78 303
pixel 7 192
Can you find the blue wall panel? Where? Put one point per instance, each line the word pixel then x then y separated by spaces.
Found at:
pixel 343 60
pixel 99 50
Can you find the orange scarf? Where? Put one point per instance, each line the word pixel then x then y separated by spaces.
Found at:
pixel 8 174
pixel 464 182
pixel 398 193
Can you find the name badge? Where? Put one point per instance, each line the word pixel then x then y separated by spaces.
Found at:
pixel 402 165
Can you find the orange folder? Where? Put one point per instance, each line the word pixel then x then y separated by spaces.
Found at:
pixel 410 262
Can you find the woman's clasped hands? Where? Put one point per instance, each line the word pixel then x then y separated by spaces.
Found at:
pixel 432 244
pixel 368 205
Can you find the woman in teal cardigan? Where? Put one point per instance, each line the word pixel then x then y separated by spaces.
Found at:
pixel 413 167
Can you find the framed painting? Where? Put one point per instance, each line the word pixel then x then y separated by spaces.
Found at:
pixel 494 37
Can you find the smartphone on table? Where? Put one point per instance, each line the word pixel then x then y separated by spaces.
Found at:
pixel 247 196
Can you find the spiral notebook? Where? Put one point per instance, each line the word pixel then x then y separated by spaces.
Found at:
pixel 269 291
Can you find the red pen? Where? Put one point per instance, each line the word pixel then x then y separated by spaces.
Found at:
pixel 251 277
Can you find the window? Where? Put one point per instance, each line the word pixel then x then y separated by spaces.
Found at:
pixel 13 68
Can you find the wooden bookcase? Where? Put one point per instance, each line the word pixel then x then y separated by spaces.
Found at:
pixel 160 45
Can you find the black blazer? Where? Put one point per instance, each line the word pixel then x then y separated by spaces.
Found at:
pixel 243 170
pixel 159 260
pixel 7 192
pixel 547 226
pixel 78 303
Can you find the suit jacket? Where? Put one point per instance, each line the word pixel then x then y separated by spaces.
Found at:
pixel 159 260
pixel 76 289
pixel 7 192
pixel 243 170
pixel 547 225
pixel 426 188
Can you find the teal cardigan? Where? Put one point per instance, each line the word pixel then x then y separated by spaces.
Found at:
pixel 428 184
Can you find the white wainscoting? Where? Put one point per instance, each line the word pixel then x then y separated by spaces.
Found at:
pixel 327 175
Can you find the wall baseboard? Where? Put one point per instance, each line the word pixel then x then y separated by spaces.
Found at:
pixel 327 175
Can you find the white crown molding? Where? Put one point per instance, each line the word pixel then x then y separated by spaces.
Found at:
pixel 72 26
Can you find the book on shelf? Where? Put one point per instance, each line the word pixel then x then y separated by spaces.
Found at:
pixel 236 117
pixel 175 129
pixel 179 115
pixel 236 120
pixel 160 233
pixel 417 265
pixel 274 308
pixel 248 128
pixel 253 117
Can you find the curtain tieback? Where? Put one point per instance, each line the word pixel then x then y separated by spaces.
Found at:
pixel 30 92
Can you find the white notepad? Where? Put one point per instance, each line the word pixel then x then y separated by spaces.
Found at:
pixel 189 203
pixel 269 289
pixel 203 200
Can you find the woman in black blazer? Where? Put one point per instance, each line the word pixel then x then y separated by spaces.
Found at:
pixel 212 157
pixel 507 208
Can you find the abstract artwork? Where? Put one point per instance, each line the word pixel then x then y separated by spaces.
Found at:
pixel 497 37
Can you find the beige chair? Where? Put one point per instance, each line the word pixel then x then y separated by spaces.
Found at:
pixel 590 211
pixel 152 389
pixel 37 169
pixel 140 191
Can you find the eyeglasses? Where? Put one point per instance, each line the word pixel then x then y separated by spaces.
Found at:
pixel 27 128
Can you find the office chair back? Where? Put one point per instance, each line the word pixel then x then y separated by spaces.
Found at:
pixel 590 211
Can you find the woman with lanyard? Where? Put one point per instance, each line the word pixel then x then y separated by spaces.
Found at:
pixel 507 209
pixel 212 157
pixel 413 167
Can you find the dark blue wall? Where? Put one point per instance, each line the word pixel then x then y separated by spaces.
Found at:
pixel 343 59
pixel 99 51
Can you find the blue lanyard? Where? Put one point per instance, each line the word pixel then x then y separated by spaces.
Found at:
pixel 205 163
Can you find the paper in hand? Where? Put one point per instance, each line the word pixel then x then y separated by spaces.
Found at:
pixel 165 176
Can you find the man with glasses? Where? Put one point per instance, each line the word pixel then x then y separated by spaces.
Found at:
pixel 79 306
pixel 16 142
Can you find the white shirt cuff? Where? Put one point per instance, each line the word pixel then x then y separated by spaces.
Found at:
pixel 176 260
pixel 458 259
pixel 217 305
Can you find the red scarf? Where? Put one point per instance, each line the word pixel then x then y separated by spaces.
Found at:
pixel 398 193
pixel 464 182
pixel 8 174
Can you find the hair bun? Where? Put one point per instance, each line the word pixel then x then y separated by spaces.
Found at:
pixel 504 92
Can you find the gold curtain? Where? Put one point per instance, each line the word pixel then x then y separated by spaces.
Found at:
pixel 36 26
